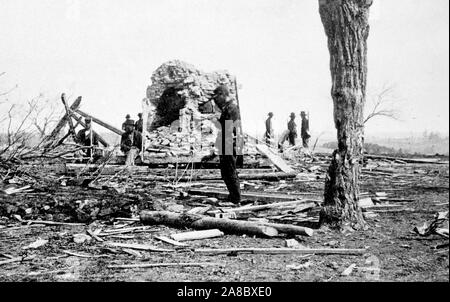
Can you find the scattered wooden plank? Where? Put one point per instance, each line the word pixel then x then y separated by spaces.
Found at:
pixel 442 232
pixel 93 235
pixel 53 223
pixel 132 252
pixel 275 251
pixel 408 160
pixel 10 191
pixel 255 196
pixel 147 265
pixel 307 203
pixel 399 200
pixel 275 159
pixel 348 270
pixel 17 259
pixel 127 230
pixel 83 255
pixel 204 222
pixel 136 246
pixel 196 235
pixel 383 207
pixel 170 241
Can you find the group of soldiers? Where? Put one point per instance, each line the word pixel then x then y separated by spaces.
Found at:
pixel 291 133
pixel 130 143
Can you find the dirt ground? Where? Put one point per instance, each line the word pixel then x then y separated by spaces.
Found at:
pixel 394 252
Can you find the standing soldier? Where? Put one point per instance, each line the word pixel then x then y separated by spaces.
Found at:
pixel 269 130
pixel 305 129
pixel 87 137
pixel 131 143
pixel 127 118
pixel 229 148
pixel 139 123
pixel 292 127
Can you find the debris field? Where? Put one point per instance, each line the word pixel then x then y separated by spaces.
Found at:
pixel 79 222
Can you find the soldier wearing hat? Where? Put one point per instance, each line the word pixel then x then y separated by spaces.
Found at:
pixel 127 118
pixel 87 137
pixel 139 123
pixel 292 127
pixel 305 129
pixel 131 142
pixel 229 141
pixel 269 135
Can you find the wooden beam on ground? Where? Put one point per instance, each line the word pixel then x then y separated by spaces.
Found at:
pixel 281 251
pixel 196 235
pixel 136 246
pixel 181 264
pixel 307 203
pixel 255 196
pixel 100 122
pixel 408 160
pixel 275 159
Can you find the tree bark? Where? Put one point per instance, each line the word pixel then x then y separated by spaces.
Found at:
pixel 346 24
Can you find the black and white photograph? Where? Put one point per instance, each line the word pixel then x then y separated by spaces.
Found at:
pixel 224 142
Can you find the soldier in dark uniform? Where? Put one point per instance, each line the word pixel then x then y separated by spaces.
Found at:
pixel 305 130
pixel 230 142
pixel 139 123
pixel 131 142
pixel 269 135
pixel 87 137
pixel 292 127
pixel 127 118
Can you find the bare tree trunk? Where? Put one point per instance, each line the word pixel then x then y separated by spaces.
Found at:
pixel 346 24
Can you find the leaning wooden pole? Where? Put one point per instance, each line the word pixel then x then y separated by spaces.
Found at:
pixel 69 114
pixel 100 122
pixel 62 123
pixel 346 24
pixel 80 121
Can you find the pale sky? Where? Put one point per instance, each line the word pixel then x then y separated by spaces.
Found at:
pixel 106 51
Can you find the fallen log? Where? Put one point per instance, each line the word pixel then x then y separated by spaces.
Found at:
pixel 276 251
pixel 204 222
pixel 290 229
pixel 206 234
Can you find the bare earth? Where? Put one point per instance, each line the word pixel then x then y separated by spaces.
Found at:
pixel 394 252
